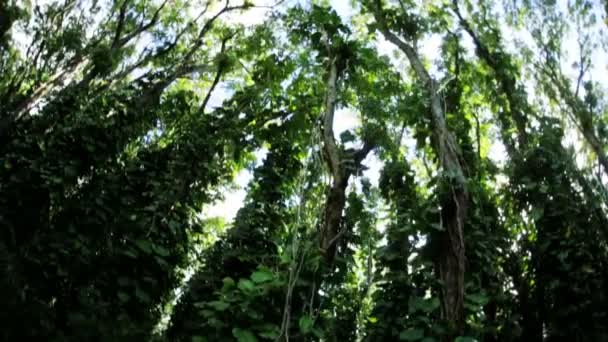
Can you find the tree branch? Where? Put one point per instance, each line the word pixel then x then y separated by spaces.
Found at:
pixel 220 69
pixel 447 148
pixel 208 25
pixel 329 143
pixel 120 24
pixel 143 27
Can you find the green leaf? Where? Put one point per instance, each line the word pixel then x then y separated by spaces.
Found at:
pixel 70 171
pixel 411 335
pixel 437 226
pixel 426 305
pixel 478 298
pixel 430 305
pixel 228 282
pixel 262 276
pixel 123 297
pixel 242 335
pixel 76 318
pixel 219 305
pixel 142 295
pixel 207 313
pixel 268 331
pixel 465 339
pixel 144 245
pixel 160 250
pixel 246 285
pixel 130 253
pixel 536 214
pixel 305 324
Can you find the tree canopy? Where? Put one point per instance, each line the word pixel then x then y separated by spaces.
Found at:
pixel 417 170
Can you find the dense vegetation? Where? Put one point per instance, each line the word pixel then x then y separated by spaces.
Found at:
pixel 468 203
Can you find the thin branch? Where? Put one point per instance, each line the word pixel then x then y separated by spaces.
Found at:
pixel 518 108
pixel 575 112
pixel 209 24
pixel 335 238
pixel 27 104
pixel 181 33
pixel 143 27
pixel 478 137
pixel 582 68
pixel 220 70
pixel 120 24
pixel 362 153
pixel 446 145
pixel 481 48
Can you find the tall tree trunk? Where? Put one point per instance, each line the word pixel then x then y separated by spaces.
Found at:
pixel 336 198
pixel 451 261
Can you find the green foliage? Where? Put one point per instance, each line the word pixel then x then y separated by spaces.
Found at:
pixel 232 292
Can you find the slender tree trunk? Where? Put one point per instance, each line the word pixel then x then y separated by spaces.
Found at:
pixel 451 261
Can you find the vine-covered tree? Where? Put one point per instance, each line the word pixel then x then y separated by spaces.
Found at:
pixel 417 170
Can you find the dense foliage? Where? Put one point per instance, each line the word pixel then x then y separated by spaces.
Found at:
pixel 468 201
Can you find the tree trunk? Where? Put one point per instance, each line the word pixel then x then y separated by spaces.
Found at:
pixel 451 264
pixel 451 261
pixel 342 166
pixel 336 201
